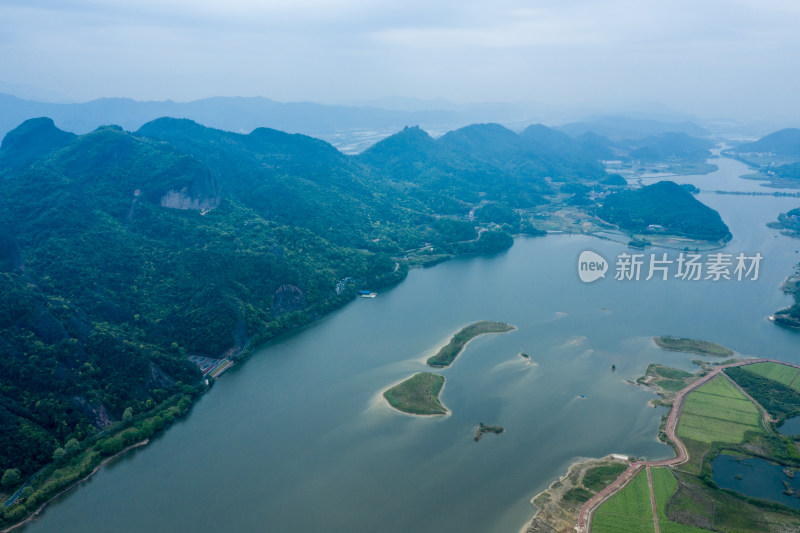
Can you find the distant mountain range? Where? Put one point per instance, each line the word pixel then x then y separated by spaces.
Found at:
pixel 620 128
pixel 351 128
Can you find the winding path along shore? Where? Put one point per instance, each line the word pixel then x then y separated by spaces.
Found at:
pixel 588 509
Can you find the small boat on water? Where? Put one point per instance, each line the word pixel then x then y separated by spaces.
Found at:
pixel 367 294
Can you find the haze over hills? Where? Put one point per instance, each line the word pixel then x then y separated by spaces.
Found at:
pixel 351 128
pixel 784 143
pixel 620 128
pixel 670 145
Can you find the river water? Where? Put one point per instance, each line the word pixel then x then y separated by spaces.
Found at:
pixel 298 439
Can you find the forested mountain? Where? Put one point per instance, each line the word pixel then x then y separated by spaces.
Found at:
pixel 122 253
pixel 785 143
pixel 663 207
pixel 479 161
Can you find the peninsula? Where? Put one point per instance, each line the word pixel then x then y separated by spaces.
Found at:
pixel 676 344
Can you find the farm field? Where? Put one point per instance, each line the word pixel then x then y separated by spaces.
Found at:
pixel 718 412
pixel 783 374
pixel 664 486
pixel 627 511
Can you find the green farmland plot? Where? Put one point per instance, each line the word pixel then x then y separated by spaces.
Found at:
pixel 783 374
pixel 664 486
pixel 718 412
pixel 627 511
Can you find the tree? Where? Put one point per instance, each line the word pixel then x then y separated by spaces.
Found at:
pixel 127 414
pixel 73 447
pixel 11 478
pixel 60 456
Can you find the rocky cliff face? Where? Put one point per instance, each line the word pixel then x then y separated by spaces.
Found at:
pixel 98 414
pixel 286 299
pixel 183 199
pixel 200 194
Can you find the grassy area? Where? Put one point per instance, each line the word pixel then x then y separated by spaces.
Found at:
pixel 627 511
pixel 670 373
pixel 558 506
pixel 602 476
pixel 418 395
pixel 718 412
pixel 780 401
pixel 785 375
pixel 448 353
pixel 665 381
pixel 677 344
pixel 664 486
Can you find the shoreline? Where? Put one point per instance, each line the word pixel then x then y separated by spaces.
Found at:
pixel 670 430
pixel 35 514
pixel 580 463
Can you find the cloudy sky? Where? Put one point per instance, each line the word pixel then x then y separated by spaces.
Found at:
pixel 713 57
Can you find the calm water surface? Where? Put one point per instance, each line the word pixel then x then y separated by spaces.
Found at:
pixel 757 478
pixel 298 439
pixel 791 426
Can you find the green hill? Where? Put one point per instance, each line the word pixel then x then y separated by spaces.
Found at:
pixel 664 204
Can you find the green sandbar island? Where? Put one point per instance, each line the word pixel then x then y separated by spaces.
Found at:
pixel 418 395
pixel 676 344
pixel 448 353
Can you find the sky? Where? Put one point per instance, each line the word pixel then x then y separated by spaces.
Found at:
pixel 727 58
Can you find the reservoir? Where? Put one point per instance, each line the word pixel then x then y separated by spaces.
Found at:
pixel 299 439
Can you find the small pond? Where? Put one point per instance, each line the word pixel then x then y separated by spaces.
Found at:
pixel 757 478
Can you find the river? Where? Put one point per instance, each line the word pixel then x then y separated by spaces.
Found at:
pixel 298 439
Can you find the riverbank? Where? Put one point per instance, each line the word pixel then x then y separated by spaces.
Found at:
pixel 35 514
pixel 691 459
pixel 55 479
pixel 557 507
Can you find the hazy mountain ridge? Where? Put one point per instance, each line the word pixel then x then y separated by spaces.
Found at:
pixel 785 142
pixel 238 114
pixel 671 145
pixel 620 128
